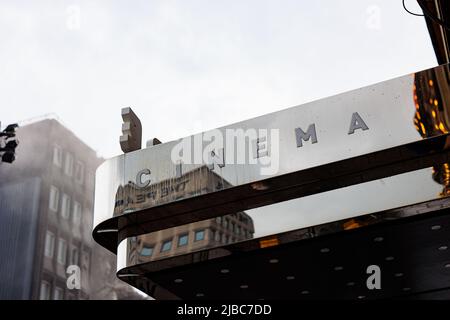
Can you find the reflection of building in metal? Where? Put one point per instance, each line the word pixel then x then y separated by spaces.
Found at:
pixel 195 182
pixel 46 206
pixel 186 238
pixel 432 117
pixel 396 240
pixel 432 101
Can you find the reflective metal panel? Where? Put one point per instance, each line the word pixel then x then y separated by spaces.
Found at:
pixel 358 136
pixel 410 192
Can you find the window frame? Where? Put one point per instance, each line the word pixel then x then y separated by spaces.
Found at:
pixel 68 165
pixel 49 235
pixel 72 255
pixel 203 232
pixel 53 199
pixel 76 215
pixel 57 156
pixel 65 209
pixel 186 234
pixel 163 244
pixel 60 252
pixel 149 247
pixel 79 177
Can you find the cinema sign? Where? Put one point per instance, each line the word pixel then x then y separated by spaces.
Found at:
pixel 239 146
pixel 357 136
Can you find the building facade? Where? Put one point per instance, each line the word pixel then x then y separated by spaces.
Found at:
pixel 46 217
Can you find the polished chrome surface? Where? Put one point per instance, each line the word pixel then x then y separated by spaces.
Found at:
pixel 132 261
pixel 395 197
pixel 336 160
pixel 387 109
pixel 375 118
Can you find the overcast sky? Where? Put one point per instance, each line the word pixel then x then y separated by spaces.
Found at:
pixel 192 65
pixel 188 66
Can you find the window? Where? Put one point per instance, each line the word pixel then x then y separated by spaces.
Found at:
pixel 49 244
pixel 90 179
pixel 76 213
pixel 58 293
pixel 166 246
pixel 75 256
pixel 232 226
pixel 238 230
pixel 225 223
pixel 57 156
pixel 199 235
pixel 219 220
pixel 44 293
pixel 79 172
pixel 65 206
pixel 62 251
pixel 54 198
pixel 68 166
pixel 86 260
pixel 217 236
pixel 147 251
pixel 183 240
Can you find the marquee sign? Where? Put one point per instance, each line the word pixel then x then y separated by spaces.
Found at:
pixel 377 131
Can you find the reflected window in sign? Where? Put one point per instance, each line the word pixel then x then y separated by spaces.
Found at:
pixel 147 251
pixel 183 240
pixel 166 246
pixel 199 235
